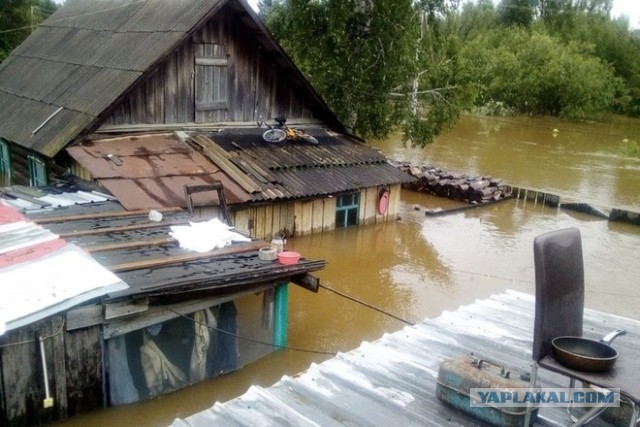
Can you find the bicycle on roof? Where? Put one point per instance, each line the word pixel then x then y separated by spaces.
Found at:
pixel 281 132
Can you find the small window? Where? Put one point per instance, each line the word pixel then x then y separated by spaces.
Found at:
pixel 5 164
pixel 37 172
pixel 347 208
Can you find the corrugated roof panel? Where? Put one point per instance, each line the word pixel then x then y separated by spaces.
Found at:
pixel 101 89
pixel 29 86
pixel 142 50
pixel 43 42
pixel 58 131
pixel 168 15
pixel 23 117
pixel 392 381
pixel 101 15
pixel 82 47
pixel 298 169
pixel 62 91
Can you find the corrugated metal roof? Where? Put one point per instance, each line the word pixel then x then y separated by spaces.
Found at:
pixel 392 381
pixel 42 274
pixel 150 171
pixel 290 170
pixel 88 53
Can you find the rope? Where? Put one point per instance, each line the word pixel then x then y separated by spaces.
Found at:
pixel 46 337
pixel 366 304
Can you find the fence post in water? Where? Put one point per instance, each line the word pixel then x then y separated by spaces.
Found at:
pixel 280 315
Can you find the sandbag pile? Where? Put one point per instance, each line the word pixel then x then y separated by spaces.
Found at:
pixel 453 185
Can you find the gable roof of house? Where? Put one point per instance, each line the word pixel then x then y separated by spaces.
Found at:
pixel 64 77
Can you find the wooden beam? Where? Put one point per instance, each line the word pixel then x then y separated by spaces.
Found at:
pixel 121 214
pixel 221 158
pixel 214 62
pixel 121 229
pixel 164 261
pixel 117 309
pixel 307 281
pixel 84 316
pixel 128 245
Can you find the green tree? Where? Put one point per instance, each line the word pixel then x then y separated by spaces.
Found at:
pixel 538 74
pixel 378 63
pixel 516 12
pixel 18 18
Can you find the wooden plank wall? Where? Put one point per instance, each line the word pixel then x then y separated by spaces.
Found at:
pixel 73 367
pixel 255 82
pixel 310 216
pixel 19 164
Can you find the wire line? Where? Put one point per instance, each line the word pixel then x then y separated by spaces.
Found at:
pixel 284 347
pixel 366 304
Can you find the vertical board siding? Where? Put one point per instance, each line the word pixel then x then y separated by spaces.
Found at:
pixel 73 371
pixel 252 83
pixel 310 216
pixel 22 374
pixel 84 370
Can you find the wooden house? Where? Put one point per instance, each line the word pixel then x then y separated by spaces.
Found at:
pixel 120 93
pixel 101 306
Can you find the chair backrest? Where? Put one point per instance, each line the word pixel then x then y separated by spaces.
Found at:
pixel 559 288
pixel 218 188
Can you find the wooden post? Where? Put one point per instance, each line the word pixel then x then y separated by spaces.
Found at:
pixel 280 315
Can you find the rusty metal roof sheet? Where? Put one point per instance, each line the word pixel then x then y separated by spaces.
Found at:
pixel 296 170
pixel 150 172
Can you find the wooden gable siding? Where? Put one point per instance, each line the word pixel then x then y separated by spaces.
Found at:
pixel 239 77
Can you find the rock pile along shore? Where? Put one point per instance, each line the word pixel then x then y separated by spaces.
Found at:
pixel 453 185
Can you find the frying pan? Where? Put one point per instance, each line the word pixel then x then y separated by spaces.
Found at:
pixel 583 354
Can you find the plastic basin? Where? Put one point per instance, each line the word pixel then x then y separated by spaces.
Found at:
pixel 288 257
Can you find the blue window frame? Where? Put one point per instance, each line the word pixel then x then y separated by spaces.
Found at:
pixel 5 164
pixel 37 172
pixel 347 209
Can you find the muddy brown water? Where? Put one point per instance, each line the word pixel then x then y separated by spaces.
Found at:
pixel 419 266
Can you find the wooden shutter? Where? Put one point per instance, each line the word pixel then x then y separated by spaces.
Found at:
pixel 211 83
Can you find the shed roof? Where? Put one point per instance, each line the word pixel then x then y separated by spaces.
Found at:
pixel 150 171
pixel 73 67
pixel 38 262
pixel 142 254
pixel 392 381
pixel 290 169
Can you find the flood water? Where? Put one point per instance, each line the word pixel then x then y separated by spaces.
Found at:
pixel 418 266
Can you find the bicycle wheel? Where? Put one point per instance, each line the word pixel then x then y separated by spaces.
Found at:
pixel 274 135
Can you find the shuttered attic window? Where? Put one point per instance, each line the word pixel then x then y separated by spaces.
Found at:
pixel 211 83
pixel 37 172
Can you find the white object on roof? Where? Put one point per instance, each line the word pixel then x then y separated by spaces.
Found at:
pixel 206 236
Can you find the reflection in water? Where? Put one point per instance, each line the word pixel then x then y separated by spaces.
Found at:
pixel 420 265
